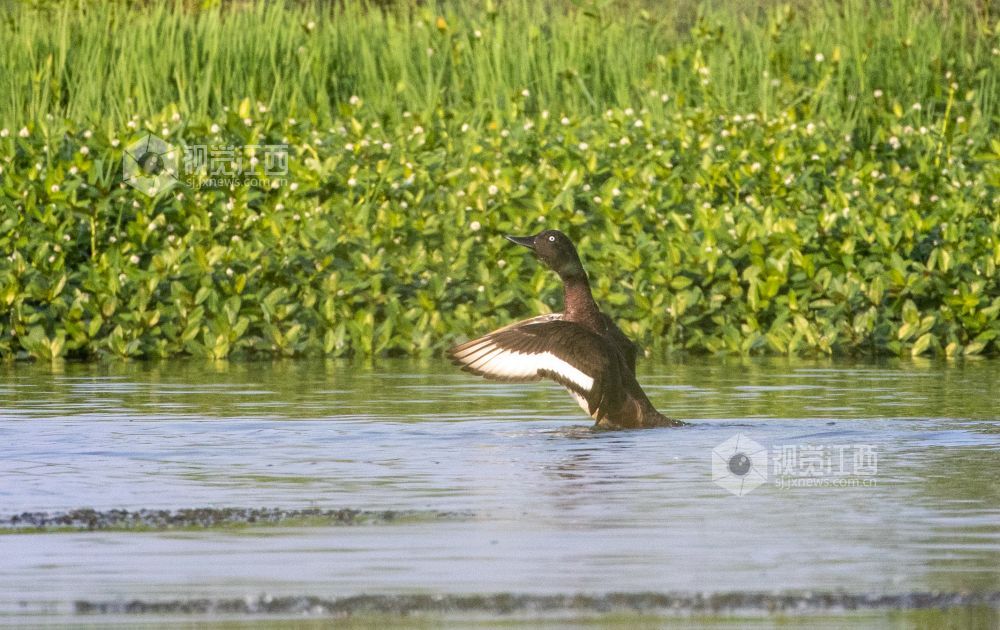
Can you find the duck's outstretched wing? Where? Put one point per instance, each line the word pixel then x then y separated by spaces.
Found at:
pixel 548 346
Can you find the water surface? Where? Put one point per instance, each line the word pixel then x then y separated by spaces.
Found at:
pixel 550 507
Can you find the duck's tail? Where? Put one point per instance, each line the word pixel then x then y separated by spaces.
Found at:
pixel 657 419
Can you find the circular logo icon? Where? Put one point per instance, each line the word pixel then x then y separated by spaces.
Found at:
pixel 150 165
pixel 739 464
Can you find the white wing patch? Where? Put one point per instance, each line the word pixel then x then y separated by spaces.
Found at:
pixel 491 360
pixel 580 400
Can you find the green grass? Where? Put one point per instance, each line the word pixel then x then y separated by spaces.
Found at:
pixel 766 180
pixel 105 62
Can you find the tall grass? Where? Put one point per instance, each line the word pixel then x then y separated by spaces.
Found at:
pixel 108 61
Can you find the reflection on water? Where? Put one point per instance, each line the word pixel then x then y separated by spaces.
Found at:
pixel 557 508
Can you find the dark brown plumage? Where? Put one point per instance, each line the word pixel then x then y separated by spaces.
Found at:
pixel 581 348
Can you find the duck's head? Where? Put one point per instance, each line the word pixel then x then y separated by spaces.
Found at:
pixel 554 249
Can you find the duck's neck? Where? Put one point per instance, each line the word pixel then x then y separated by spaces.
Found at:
pixel 579 302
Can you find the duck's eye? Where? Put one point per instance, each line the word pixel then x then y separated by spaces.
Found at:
pixel 552 238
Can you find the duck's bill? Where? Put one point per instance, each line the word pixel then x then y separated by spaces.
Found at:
pixel 527 241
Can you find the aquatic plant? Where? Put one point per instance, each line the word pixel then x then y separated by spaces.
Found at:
pixel 767 185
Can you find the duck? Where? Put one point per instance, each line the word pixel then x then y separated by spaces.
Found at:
pixel 580 348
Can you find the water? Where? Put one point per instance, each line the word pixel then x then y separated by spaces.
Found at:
pixel 545 505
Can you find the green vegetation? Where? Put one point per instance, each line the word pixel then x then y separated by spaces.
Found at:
pixel 767 180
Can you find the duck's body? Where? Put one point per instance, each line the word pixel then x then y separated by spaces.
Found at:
pixel 580 348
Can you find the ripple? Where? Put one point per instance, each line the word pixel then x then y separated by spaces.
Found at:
pixel 207 518
pixel 511 604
